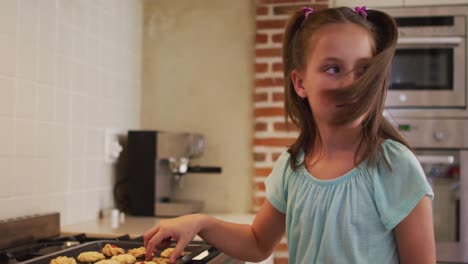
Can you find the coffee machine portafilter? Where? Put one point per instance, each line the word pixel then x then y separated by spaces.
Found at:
pixel 157 164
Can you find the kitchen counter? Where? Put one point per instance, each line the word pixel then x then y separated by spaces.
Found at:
pixel 135 226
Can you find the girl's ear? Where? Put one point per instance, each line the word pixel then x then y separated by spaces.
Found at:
pixel 298 85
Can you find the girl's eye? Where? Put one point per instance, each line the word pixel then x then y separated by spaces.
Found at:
pixel 361 70
pixel 332 70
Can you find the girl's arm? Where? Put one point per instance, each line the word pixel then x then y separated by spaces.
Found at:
pixel 415 235
pixel 245 242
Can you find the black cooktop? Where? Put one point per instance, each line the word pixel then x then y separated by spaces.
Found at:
pixel 43 250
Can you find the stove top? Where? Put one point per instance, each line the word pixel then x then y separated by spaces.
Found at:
pixel 47 246
pixel 42 251
pixel 36 239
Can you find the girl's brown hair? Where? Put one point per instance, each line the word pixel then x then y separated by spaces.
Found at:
pixel 368 92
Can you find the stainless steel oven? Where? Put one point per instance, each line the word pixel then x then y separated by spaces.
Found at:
pixel 429 72
pixel 441 146
pixel 430 62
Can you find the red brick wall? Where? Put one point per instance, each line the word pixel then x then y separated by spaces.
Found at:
pixel 271 136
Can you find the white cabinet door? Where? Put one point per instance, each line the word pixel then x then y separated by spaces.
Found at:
pixel 433 2
pixel 369 3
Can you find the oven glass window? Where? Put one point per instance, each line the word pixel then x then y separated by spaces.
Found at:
pixel 445 182
pixel 422 69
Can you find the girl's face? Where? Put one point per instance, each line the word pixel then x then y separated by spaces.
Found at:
pixel 338 55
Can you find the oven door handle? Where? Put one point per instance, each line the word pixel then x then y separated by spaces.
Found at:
pixel 426 40
pixel 436 159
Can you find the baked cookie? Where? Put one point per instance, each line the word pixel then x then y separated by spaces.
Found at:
pixel 137 252
pixel 62 260
pixel 146 262
pixel 125 259
pixel 158 260
pixel 107 261
pixel 112 250
pixel 90 256
pixel 168 251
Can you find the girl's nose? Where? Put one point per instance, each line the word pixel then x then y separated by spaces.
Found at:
pixel 348 79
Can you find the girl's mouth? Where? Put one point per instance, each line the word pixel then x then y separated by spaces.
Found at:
pixel 346 104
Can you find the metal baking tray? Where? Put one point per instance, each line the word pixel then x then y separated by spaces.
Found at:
pixel 193 250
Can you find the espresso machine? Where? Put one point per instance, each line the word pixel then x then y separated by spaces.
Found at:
pixel 158 161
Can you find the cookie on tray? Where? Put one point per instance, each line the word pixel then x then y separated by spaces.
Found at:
pixel 159 260
pixel 146 262
pixel 107 261
pixel 168 251
pixel 137 252
pixel 62 260
pixel 125 259
pixel 112 250
pixel 90 256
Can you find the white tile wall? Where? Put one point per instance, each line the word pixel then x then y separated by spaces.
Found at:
pixel 8 54
pixel 7 92
pixel 7 140
pixel 68 70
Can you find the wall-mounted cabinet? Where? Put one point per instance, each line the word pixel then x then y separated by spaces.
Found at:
pixel 369 3
pixel 433 2
pixel 396 3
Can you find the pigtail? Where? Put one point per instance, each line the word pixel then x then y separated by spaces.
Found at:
pixel 296 108
pixel 386 36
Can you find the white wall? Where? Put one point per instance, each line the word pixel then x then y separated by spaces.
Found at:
pixel 68 70
pixel 198 77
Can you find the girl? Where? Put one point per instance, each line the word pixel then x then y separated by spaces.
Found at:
pixel 348 190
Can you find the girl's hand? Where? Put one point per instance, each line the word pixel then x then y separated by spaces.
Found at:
pixel 181 230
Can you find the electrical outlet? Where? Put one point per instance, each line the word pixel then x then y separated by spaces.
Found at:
pixel 112 146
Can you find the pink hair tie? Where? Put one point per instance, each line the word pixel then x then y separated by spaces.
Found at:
pixel 361 11
pixel 307 11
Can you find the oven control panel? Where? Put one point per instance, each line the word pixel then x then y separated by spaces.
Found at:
pixel 434 133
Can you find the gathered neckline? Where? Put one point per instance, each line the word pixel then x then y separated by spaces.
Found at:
pixel 336 180
pixel 355 170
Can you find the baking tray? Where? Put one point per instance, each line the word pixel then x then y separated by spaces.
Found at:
pixel 192 249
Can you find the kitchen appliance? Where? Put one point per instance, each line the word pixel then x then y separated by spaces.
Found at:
pixel 429 69
pixel 427 104
pixel 157 164
pixel 441 147
pixel 21 244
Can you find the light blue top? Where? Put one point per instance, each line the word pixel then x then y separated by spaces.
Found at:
pixel 349 219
